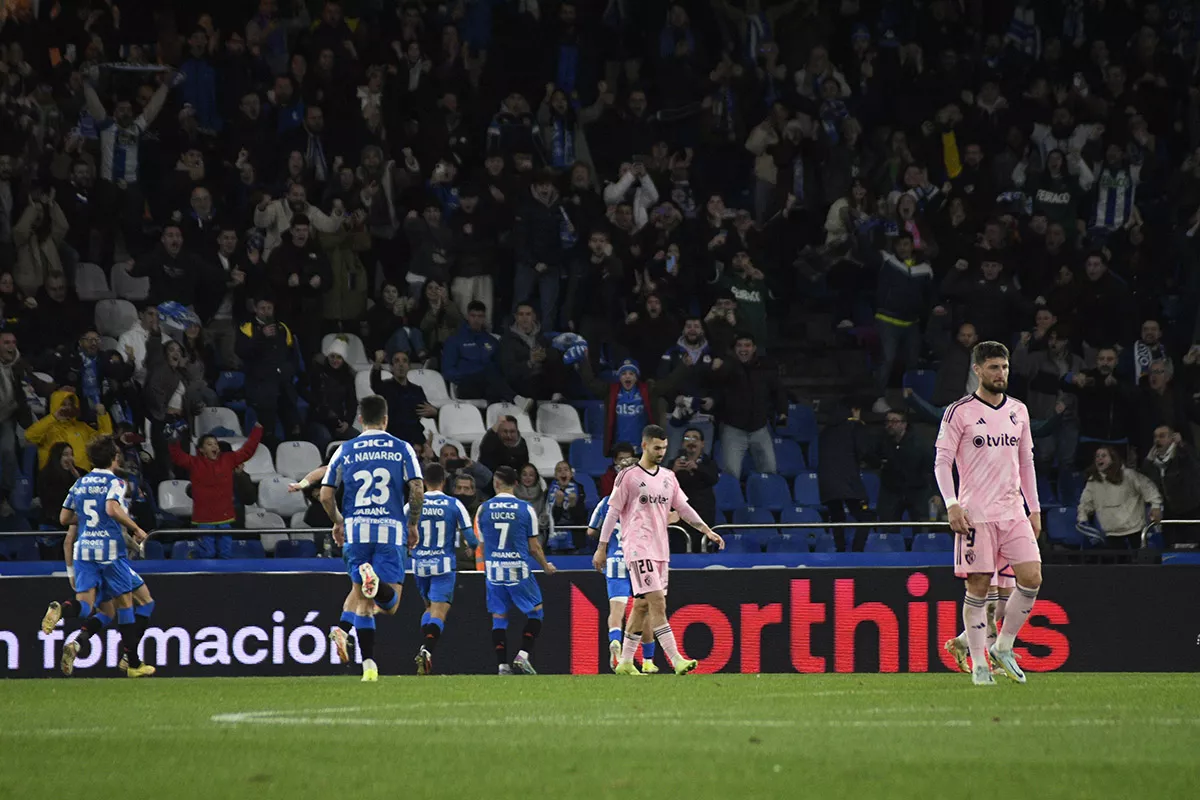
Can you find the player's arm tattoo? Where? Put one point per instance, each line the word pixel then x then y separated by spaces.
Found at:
pixel 416 499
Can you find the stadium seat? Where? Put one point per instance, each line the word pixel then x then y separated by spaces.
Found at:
pixel 356 354
pixel 297 521
pixel 91 284
pixel 127 287
pixel 174 499
pixel 921 381
pixel 768 491
pixel 1060 526
pixel 296 459
pixel 273 495
pixel 933 543
pixel 884 543
pixel 295 548
pixel 788 543
pixel 217 417
pixel 1045 490
pixel 587 457
pixel 1070 488
pixel 440 441
pixel 789 459
pixel 560 421
pixel 109 345
pixel 497 410
pixel 752 515
pixel 261 519
pixel 250 548
pixel 260 464
pixel 182 550
pixel 332 447
pixel 801 515
pixel 114 317
pixel 591 494
pixel 594 418
pixel 729 494
pixel 544 453
pixel 460 421
pixel 808 492
pixel 230 384
pixel 870 480
pixel 152 550
pixel 362 382
pixel 21 498
pixel 824 543
pixel 434 385
pixel 801 424
pixel 740 544
pixel 478 403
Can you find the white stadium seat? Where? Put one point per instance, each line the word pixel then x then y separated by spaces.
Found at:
pixel 297 521
pixel 91 284
pixel 261 519
pixel 559 421
pixel 497 410
pixel 173 498
pixel 544 453
pixel 260 464
pixel 269 540
pixel 108 345
pixel 127 287
pixel 332 447
pixel 480 404
pixel 440 441
pixel 434 385
pixel 460 421
pixel 114 317
pixel 296 459
pixel 217 417
pixel 356 354
pixel 362 382
pixel 273 495
pixel 429 426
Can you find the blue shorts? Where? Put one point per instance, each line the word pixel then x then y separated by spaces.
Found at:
pixel 109 580
pixel 437 588
pixel 619 588
pixel 524 596
pixel 388 561
pixel 102 595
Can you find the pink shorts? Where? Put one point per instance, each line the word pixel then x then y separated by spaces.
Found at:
pixel 646 576
pixel 992 546
pixel 1004 578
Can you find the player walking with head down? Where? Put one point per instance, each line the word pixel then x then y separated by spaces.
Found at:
pixel 987 435
pixel 642 498
pixel 375 468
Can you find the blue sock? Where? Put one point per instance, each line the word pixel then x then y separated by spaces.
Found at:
pixel 440 623
pixel 390 603
pixel 85 609
pixel 367 622
pixel 349 616
pixel 425 619
pixel 105 619
pixel 615 634
pixel 125 616
pixel 144 611
pixel 647 651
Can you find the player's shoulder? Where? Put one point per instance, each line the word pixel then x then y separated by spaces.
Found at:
pixel 1016 405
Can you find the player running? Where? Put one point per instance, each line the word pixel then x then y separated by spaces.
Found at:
pixel 508 528
pixel 986 434
pixel 374 469
pixel 443 519
pixel 619 591
pixel 642 498
pixel 99 563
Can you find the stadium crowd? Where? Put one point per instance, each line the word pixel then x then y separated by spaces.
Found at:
pixel 524 222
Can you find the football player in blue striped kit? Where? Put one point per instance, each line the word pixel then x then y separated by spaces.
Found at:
pixel 508 528
pixel 375 469
pixel 100 570
pixel 443 520
pixel 619 590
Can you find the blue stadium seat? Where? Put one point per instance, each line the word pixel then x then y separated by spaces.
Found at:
pixel 884 543
pixel 870 480
pixel 182 550
pixel 789 459
pixel 21 498
pixel 1046 493
pixel 933 543
pixel 729 494
pixel 812 453
pixel 753 515
pixel 1070 488
pixel 801 424
pixel 768 491
pixel 296 548
pixel 921 381
pixel 586 455
pixel 1060 526
pixel 824 543
pixel 591 494
pixel 789 543
pixel 153 550
pixel 741 544
pixel 594 417
pixel 230 384
pixel 248 548
pixel 808 492
pixel 801 514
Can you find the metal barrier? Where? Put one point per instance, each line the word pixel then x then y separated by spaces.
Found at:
pixel 821 525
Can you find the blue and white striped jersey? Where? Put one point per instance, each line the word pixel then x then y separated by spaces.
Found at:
pixel 443 520
pixel 505 525
pixel 1115 192
pixel 374 469
pixel 119 149
pixel 100 537
pixel 615 563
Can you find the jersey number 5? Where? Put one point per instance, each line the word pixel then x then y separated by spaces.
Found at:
pixel 92 515
pixel 373 487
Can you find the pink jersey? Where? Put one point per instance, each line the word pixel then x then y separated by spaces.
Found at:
pixel 642 501
pixel 993 448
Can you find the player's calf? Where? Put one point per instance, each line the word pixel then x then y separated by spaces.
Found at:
pixel 387 598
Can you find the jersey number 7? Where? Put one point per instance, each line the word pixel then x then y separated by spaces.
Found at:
pixel 503 528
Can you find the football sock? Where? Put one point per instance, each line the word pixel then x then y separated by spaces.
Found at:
pixel 615 634
pixel 93 625
pixel 630 646
pixel 528 636
pixel 1001 610
pixel 386 598
pixel 500 644
pixel 74 608
pixel 127 625
pixel 364 629
pixel 346 623
pixel 666 638
pixel 1020 603
pixel 142 618
pixel 992 598
pixel 433 631
pixel 425 619
pixel 648 649
pixel 975 621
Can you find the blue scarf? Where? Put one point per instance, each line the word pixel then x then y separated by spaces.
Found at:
pixel 562 150
pixel 90 376
pixel 571 345
pixel 568 68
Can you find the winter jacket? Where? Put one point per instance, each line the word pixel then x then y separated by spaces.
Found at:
pixel 516 349
pixel 1105 412
pixel 186 278
pixel 331 394
pixel 298 303
pixel 537 232
pixel 49 430
pixel 37 257
pixel 467 353
pixel 843 445
pixel 277 218
pixel 13 403
pixel 402 401
pixel 902 290
pixel 753 395
pixel 432 250
pixel 1120 508
pixel 1104 309
pixel 345 297
pixel 439 325
pixel 1043 374
pixel 493 453
pixel 994 307
pixel 212 479
pixel 905 465
pixel 1179 481
pixel 163 383
pixel 266 359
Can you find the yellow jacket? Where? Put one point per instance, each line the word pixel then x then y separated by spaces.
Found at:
pixel 49 431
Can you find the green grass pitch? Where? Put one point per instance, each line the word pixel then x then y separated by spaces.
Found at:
pixel 713 736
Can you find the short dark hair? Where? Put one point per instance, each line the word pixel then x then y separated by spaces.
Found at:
pixel 744 335
pixel 653 432
pixel 299 219
pixel 903 234
pixel 102 451
pixel 622 447
pixel 200 442
pixel 697 431
pixel 505 475
pixel 986 350
pixel 527 304
pixel 476 305
pixel 435 475
pixel 373 410
pixel 899 412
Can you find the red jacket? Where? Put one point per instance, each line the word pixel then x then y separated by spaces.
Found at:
pixel 212 480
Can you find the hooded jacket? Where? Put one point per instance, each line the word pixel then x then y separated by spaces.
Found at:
pixel 49 430
pixel 1120 508
pixel 467 353
pixel 13 404
pixel 212 479
pixel 537 231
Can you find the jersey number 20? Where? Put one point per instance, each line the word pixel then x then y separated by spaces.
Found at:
pixel 373 487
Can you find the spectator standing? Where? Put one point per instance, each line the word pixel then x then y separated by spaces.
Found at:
pixel 469 362
pixel 843 445
pixel 300 276
pixel 697 475
pixel 268 353
pixel 406 401
pixel 54 481
pixel 333 402
pixel 1134 361
pixel 502 446
pixel 1103 311
pixel 627 404
pixel 476 235
pixel 1160 400
pixel 683 373
pixel 173 391
pixel 620 452
pixel 275 216
pixel 566 501
pixel 752 400
pixel 176 274
pixel 14 411
pixel 62 424
pixel 1105 405
pixel 649 331
pixel 438 316
pixel 1175 470
pixel 540 235
pixel 1118 497
pixel 1043 372
pixel 748 286
pixel 133 342
pixel 528 359
pixel 955 379
pixel 905 465
pixel 38 234
pixel 212 475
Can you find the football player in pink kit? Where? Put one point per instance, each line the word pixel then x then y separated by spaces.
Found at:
pixel 987 435
pixel 642 498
